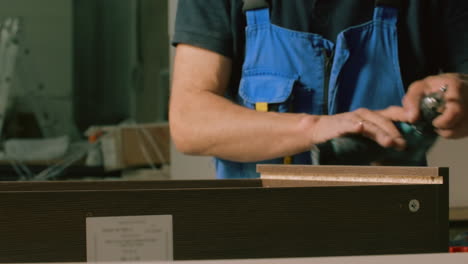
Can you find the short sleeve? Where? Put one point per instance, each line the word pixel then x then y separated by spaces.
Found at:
pixel 205 24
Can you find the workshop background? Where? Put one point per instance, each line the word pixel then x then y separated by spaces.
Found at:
pixel 98 71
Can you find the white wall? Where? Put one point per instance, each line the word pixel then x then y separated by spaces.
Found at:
pixel 453 154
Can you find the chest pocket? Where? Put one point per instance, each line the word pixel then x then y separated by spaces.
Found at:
pixel 267 91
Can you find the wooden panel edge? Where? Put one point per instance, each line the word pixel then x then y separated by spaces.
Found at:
pixel 337 170
pixel 275 183
pixel 382 179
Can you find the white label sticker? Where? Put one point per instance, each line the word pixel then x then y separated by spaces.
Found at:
pixel 129 238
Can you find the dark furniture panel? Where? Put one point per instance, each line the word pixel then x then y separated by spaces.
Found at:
pixel 42 222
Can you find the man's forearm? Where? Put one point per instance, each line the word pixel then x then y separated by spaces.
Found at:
pixel 208 124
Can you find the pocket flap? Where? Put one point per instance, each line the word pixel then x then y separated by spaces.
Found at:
pixel 267 88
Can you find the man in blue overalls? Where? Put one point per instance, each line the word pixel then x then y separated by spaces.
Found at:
pixel 265 92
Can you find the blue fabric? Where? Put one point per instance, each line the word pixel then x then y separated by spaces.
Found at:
pixel 278 88
pixel 368 74
pixel 287 69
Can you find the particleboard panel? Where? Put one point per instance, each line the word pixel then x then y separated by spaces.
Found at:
pixel 356 174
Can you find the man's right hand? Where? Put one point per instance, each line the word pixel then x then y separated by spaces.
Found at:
pixel 375 125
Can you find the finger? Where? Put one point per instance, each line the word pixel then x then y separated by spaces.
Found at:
pixel 385 124
pixel 395 113
pixel 351 123
pixel 458 132
pixel 329 127
pixel 451 116
pixel 446 133
pixel 453 87
pixel 370 130
pixel 377 134
pixel 415 93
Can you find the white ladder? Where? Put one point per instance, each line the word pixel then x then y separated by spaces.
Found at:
pixel 8 54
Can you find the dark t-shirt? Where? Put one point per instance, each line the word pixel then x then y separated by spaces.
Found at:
pixel 433 34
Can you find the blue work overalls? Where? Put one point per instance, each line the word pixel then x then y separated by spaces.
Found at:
pixel 290 71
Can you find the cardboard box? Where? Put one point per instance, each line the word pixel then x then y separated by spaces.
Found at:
pixel 132 146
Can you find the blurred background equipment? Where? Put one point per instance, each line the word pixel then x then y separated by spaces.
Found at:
pixel 41 81
pixel 75 64
pixel 89 62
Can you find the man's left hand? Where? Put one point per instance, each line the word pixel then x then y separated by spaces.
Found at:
pixel 453 122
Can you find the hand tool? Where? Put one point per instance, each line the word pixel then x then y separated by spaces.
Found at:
pixel 360 150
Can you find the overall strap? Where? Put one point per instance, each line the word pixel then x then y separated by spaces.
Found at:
pixel 387 10
pixel 257 12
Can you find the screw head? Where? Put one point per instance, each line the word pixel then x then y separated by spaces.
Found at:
pixel 414 206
